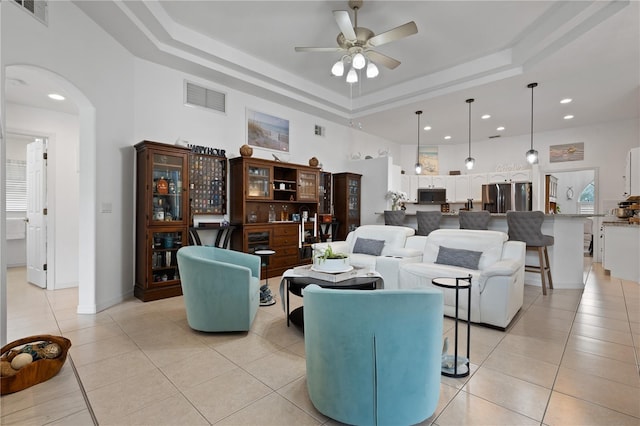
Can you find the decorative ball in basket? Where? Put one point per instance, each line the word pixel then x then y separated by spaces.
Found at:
pixel 36 359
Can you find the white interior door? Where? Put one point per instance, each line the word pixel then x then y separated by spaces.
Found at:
pixel 36 214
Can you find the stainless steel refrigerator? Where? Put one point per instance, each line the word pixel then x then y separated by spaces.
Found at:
pixel 500 197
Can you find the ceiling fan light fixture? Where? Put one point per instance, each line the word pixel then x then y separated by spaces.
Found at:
pixel 338 69
pixel 359 61
pixel 352 76
pixel 372 70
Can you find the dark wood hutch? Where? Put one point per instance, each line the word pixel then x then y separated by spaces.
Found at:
pixel 264 196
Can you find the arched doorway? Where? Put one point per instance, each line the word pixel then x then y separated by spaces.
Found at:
pixel 86 160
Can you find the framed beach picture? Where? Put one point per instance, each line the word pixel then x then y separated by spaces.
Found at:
pixel 267 131
pixel 566 152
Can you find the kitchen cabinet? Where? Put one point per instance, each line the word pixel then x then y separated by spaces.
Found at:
pixel 551 193
pixel 475 185
pixel 462 188
pixel 161 218
pixel 347 191
pixel 264 196
pixel 512 176
pixel 622 250
pixel 409 185
pixel 632 173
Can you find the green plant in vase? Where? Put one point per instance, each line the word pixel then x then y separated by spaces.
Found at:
pixel 331 261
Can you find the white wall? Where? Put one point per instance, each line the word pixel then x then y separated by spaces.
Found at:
pixel 577 181
pixel 98 68
pixel 62 174
pixel 161 116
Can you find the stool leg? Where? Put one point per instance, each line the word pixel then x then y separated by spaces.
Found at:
pixel 542 274
pixel 548 266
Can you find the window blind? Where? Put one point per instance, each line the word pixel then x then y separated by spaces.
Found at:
pixel 16 185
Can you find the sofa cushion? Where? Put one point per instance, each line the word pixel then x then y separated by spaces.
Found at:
pixel 490 243
pixel 360 260
pixel 368 246
pixel 393 236
pixel 468 259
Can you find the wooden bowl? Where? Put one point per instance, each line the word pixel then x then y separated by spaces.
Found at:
pixel 38 371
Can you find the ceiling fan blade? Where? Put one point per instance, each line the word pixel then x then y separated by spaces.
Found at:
pixel 381 59
pixel 318 49
pixel 395 34
pixel 344 23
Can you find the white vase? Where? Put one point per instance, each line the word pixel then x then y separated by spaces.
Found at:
pixel 331 265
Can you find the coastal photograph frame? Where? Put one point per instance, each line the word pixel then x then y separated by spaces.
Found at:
pixel 267 131
pixel 566 152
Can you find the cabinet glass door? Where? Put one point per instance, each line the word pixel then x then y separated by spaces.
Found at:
pixel 168 199
pixel 307 186
pixel 164 261
pixel 259 181
pixel 354 200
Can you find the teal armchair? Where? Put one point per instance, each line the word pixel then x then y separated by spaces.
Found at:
pixel 373 357
pixel 220 288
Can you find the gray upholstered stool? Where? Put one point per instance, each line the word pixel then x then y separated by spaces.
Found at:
pixel 527 227
pixel 427 222
pixel 394 217
pixel 474 219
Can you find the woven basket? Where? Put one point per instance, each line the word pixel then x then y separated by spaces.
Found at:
pixel 38 371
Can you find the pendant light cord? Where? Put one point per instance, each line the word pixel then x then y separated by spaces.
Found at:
pixel 532 85
pixel 469 101
pixel 418 113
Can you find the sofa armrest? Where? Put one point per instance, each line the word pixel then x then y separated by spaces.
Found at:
pixel 502 267
pixel 404 252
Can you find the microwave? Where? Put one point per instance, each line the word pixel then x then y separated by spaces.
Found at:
pixel 432 196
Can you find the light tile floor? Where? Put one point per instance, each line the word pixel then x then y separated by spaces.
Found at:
pixel 569 358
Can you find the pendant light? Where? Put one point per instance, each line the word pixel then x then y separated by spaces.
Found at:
pixel 532 154
pixel 469 161
pixel 418 165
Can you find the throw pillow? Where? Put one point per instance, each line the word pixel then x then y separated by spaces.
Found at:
pixel 368 246
pixel 468 259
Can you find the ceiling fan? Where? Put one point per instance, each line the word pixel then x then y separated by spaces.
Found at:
pixel 358 42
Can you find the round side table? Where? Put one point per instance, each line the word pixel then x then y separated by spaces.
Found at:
pixel 264 258
pixel 457 284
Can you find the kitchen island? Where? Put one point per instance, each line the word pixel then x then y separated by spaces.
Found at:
pixel 566 256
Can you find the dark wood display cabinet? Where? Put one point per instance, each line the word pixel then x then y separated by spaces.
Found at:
pixel 347 193
pixel 207 184
pixel 268 203
pixel 162 218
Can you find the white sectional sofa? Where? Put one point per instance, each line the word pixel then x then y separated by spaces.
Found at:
pixel 390 240
pixel 497 282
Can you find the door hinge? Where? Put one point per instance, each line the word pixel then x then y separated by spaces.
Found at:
pixel 44 267
pixel 44 155
pixel 44 211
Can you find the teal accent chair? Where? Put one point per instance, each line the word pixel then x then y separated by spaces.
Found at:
pixel 220 288
pixel 373 357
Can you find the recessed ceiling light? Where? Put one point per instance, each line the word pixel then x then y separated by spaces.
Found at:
pixel 427 127
pixel 566 100
pixel 568 117
pixel 501 128
pixel 447 137
pixel 484 117
pixel 56 97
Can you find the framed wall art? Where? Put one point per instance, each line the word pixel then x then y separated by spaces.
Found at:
pixel 267 131
pixel 566 152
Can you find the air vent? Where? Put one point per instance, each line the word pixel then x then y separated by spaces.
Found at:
pixel 199 96
pixel 494 136
pixel 318 130
pixel 36 8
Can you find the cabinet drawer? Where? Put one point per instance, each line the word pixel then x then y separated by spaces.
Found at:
pixel 280 230
pixel 288 251
pixel 285 241
pixel 285 261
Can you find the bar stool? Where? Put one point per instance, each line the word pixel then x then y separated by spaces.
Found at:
pixel 428 221
pixel 527 227
pixel 394 217
pixel 474 219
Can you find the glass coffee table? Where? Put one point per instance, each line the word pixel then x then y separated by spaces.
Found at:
pixel 455 366
pixel 294 284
